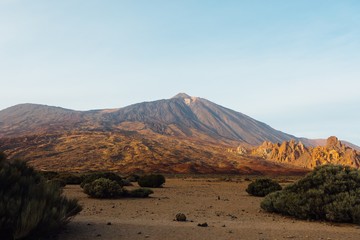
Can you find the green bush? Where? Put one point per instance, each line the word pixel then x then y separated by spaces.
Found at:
pixel 140 193
pixel 133 178
pixel 30 206
pixel 152 181
pixel 329 193
pixel 103 188
pixel 262 187
pixel 58 182
pixel 108 175
pixel 71 178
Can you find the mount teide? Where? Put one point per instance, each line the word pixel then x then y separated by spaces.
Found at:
pixel 182 134
pixel 188 116
pixel 181 116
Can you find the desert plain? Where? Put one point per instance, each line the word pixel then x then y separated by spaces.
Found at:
pixel 222 203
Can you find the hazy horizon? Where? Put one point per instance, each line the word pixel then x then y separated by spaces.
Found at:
pixel 290 64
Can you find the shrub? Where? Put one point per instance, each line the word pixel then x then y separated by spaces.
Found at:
pixel 49 175
pixel 262 187
pixel 329 193
pixel 133 178
pixel 103 188
pixel 140 193
pixel 58 182
pixel 71 179
pixel 108 175
pixel 153 180
pixel 127 183
pixel 29 206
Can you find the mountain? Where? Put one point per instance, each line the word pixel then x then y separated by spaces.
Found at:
pixel 181 115
pixel 178 135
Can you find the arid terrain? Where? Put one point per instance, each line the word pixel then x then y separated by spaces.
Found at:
pixel 220 202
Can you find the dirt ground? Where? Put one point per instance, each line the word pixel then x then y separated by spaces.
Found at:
pixel 225 206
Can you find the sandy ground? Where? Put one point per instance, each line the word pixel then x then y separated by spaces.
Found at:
pixel 225 206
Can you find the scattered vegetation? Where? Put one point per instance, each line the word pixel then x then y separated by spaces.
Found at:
pixel 262 187
pixel 103 188
pixel 71 178
pixel 152 181
pixel 329 193
pixel 67 178
pixel 31 207
pixel 106 188
pixel 108 175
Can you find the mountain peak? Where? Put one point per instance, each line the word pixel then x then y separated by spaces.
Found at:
pixel 181 95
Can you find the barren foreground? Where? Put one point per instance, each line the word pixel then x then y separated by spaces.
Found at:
pixel 225 206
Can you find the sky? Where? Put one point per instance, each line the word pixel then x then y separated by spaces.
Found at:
pixel 294 65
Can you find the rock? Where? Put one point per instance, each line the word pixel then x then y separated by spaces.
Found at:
pixel 333 142
pixel 295 153
pixel 203 224
pixel 180 217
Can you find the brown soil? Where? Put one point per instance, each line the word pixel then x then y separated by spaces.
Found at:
pixel 225 206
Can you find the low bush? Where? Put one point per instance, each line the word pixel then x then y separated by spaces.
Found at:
pixel 49 175
pixel 262 187
pixel 140 193
pixel 71 178
pixel 126 182
pixel 31 207
pixel 108 175
pixel 152 181
pixel 58 182
pixel 103 188
pixel 133 178
pixel 329 193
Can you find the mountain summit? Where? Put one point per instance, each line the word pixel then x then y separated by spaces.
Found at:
pixel 181 95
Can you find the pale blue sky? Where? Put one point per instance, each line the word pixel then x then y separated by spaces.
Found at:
pixel 293 64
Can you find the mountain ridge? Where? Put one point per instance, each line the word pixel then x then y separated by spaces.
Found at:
pixel 189 114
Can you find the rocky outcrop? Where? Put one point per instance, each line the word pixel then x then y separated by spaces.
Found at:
pixel 295 153
pixel 335 152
